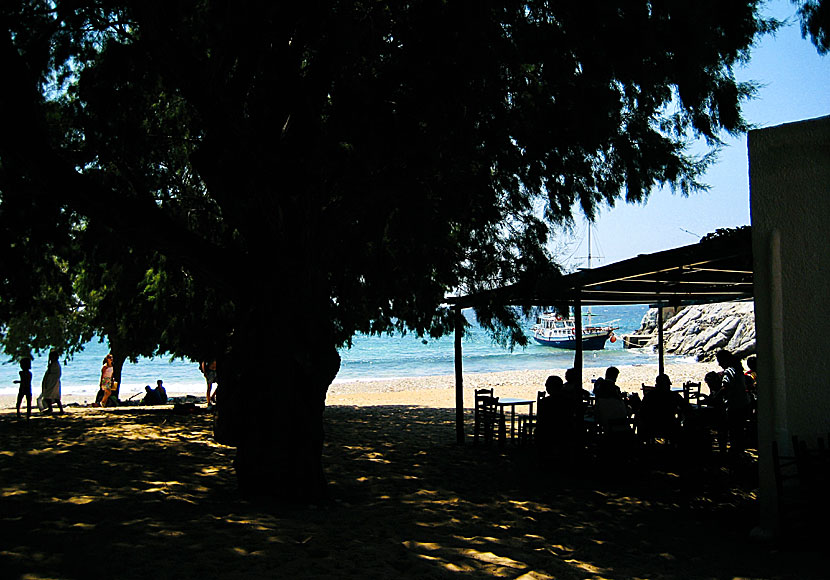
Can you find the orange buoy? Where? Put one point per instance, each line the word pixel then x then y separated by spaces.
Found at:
pixel 613 338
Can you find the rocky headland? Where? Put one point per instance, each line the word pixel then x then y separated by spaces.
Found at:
pixel 701 330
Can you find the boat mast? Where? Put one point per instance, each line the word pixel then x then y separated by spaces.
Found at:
pixel 589 264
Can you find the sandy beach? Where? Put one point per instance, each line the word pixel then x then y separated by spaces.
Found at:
pixel 138 492
pixel 439 391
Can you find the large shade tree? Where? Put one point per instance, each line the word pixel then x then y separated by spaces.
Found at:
pixel 256 182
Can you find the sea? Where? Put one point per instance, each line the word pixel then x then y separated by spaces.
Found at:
pixel 369 358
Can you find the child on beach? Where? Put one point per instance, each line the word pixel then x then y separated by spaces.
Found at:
pixel 25 386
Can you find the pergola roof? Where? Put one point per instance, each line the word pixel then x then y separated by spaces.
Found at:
pixel 715 270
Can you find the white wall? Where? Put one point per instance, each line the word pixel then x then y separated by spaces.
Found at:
pixel 789 170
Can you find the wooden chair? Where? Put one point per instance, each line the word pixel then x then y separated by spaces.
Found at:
pixel 527 423
pixel 487 416
pixel 612 417
pixel 691 392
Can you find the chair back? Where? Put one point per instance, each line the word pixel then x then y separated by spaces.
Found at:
pixel 484 393
pixel 691 392
pixel 481 396
pixel 612 415
pixel 647 389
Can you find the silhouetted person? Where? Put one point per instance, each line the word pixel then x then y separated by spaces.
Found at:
pixel 209 370
pixel 151 396
pixel 611 375
pixel 713 408
pixel 661 411
pixel 607 387
pixel 751 379
pixel 161 391
pixel 51 384
pixel 752 373
pixel 556 428
pixel 25 389
pixel 573 388
pixel 610 410
pixel 713 381
pixel 735 399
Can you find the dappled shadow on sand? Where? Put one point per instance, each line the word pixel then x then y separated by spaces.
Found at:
pixel 136 493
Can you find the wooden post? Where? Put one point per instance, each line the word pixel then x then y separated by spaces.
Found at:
pixel 578 333
pixel 459 377
pixel 661 367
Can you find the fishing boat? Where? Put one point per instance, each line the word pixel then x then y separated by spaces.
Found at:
pixel 551 329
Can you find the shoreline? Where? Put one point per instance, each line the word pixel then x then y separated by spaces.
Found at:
pixel 438 391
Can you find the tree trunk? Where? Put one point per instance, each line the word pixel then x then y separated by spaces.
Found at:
pixel 270 406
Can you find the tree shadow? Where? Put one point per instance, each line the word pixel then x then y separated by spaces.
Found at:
pixel 137 492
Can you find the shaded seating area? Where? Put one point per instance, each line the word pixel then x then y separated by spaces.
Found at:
pixel 503 419
pixel 802 480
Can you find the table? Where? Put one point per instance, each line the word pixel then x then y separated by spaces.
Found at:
pixel 513 403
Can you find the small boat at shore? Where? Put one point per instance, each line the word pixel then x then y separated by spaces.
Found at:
pixel 635 340
pixel 553 330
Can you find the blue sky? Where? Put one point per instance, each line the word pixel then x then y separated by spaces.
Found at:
pixel 796 86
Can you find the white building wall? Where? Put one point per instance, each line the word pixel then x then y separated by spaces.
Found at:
pixel 789 167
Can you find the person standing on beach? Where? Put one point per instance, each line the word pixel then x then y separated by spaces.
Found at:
pixel 25 386
pixel 105 383
pixel 51 384
pixel 209 370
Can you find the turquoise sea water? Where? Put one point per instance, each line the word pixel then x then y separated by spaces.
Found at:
pixel 371 357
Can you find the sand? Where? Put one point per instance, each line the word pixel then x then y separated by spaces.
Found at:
pixel 439 391
pixel 142 493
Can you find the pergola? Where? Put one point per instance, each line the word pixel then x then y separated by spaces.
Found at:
pixel 714 270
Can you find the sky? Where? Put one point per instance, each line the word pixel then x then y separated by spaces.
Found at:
pixel 796 86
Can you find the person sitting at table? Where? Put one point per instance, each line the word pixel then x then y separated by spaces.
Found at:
pixel 712 380
pixel 573 389
pixel 607 387
pixel 611 410
pixel 556 426
pixel 661 412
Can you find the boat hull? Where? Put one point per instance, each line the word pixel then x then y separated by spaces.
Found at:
pixel 589 342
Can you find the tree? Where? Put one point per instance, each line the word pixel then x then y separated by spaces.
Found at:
pixel 291 174
pixel 815 22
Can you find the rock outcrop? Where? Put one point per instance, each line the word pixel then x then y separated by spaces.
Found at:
pixel 701 330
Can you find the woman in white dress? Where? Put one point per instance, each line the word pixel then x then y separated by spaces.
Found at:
pixel 51 383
